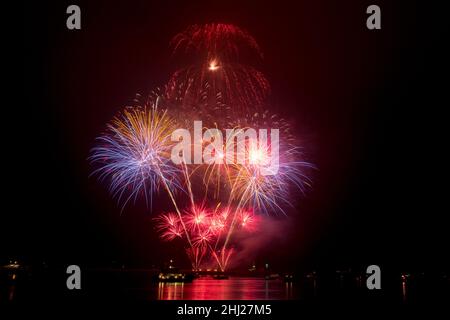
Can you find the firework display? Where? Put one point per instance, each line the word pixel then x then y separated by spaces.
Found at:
pixel 240 174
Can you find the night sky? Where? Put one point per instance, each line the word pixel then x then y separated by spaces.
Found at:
pixel 364 102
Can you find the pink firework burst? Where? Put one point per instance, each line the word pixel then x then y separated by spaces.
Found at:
pixel 197 218
pixel 202 238
pixel 169 226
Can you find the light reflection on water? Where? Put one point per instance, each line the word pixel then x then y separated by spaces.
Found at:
pixel 228 289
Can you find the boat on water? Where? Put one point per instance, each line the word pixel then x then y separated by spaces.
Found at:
pixel 271 276
pixel 220 276
pixel 174 276
pixel 289 277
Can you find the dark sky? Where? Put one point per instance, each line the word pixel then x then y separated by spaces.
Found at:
pixel 364 101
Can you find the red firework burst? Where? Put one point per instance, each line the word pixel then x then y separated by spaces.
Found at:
pixel 221 72
pixel 207 230
pixel 225 42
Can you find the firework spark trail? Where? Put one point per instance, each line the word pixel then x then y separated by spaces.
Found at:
pixel 188 182
pixel 241 87
pixel 233 221
pixel 196 255
pixel 178 211
pixel 224 219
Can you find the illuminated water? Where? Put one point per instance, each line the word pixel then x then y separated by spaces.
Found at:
pixel 227 289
